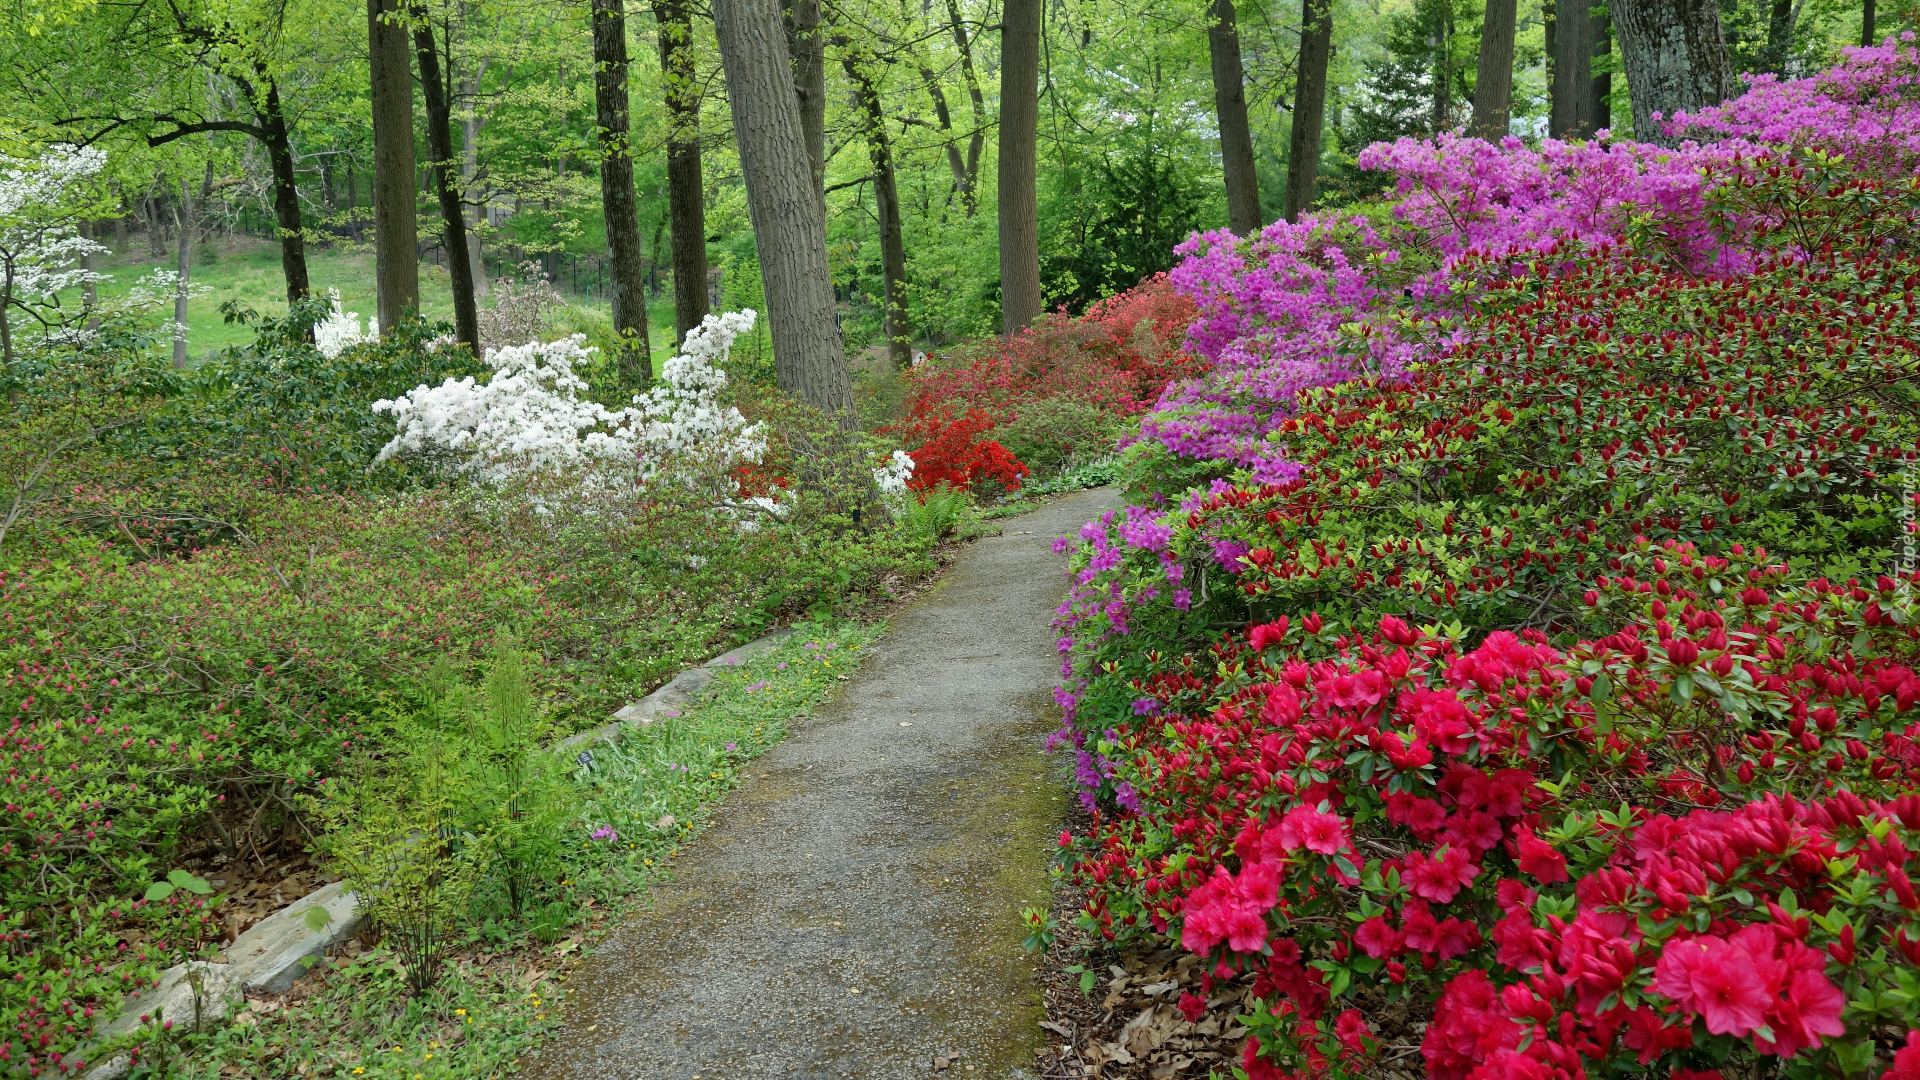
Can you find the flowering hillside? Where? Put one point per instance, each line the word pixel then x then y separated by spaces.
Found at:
pixel 1559 511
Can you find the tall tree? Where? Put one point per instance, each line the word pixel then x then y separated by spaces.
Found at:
pixel 1780 20
pixel 1866 24
pixel 1230 104
pixel 1309 104
pixel 471 122
pixel 970 198
pixel 625 256
pixel 686 190
pixel 1020 298
pixel 789 222
pixel 436 87
pixel 1602 100
pixel 1572 111
pixel 1493 85
pixel 886 199
pixel 187 220
pixel 1676 59
pixel 396 266
pixel 808 50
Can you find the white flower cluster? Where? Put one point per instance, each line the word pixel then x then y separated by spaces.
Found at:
pixel 25 187
pixel 341 330
pixel 42 253
pixel 892 477
pixel 531 417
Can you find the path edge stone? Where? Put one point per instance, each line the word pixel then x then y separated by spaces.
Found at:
pixel 278 950
pixel 678 693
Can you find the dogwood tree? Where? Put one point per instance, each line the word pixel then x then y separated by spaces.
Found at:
pixel 42 253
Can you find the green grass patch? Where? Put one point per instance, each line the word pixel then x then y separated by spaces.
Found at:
pixel 656 787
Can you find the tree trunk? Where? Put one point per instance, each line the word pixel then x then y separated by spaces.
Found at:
pixel 1602 99
pixel 1866 25
pixel 962 182
pixel 971 197
pixel 1779 36
pixel 1020 299
pixel 789 226
pixel 807 47
pixel 286 197
pixel 1572 88
pixel 1236 136
pixel 1493 85
pixel 187 227
pixel 1443 71
pixel 686 189
pixel 886 197
pixel 437 87
pixel 626 259
pixel 470 125
pixel 1309 104
pixel 395 228
pixel 1676 60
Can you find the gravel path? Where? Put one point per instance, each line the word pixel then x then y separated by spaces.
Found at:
pixel 855 911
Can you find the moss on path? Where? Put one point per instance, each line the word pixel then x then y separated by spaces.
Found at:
pixel 853 912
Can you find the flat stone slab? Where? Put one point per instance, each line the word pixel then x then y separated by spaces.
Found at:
pixel 280 948
pixel 855 912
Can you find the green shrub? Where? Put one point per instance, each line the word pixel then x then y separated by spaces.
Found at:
pixel 1050 434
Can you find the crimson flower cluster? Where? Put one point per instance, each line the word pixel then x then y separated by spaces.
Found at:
pixel 1680 844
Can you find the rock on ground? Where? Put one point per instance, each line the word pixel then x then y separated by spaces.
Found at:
pixel 854 911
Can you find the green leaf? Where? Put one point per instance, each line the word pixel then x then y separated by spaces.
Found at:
pixel 183 880
pixel 317 918
pixel 1602 687
pixel 1682 689
pixel 1341 980
pixel 159 890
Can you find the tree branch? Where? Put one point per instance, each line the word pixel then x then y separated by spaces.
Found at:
pixel 182 130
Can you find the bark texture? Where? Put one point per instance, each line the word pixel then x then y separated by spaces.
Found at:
pixel 436 86
pixel 808 50
pixel 1309 104
pixel 286 195
pixel 1573 108
pixel 625 257
pixel 395 229
pixel 789 226
pixel 686 188
pixel 886 198
pixel 1236 135
pixel 1493 84
pixel 1675 57
pixel 1020 298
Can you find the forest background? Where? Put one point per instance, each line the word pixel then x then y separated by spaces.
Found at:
pixel 1129 159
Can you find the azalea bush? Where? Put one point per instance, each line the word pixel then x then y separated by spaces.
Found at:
pixel 1681 843
pixel 1542 736
pixel 1063 390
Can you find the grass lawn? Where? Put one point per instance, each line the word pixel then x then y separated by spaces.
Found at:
pixel 247 269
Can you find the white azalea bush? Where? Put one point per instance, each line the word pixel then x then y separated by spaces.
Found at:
pixel 340 330
pixel 532 415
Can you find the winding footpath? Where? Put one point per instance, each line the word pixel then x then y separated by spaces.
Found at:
pixel 854 911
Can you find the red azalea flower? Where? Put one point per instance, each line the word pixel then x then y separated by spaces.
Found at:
pixel 1315 830
pixel 1718 980
pixel 1538 858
